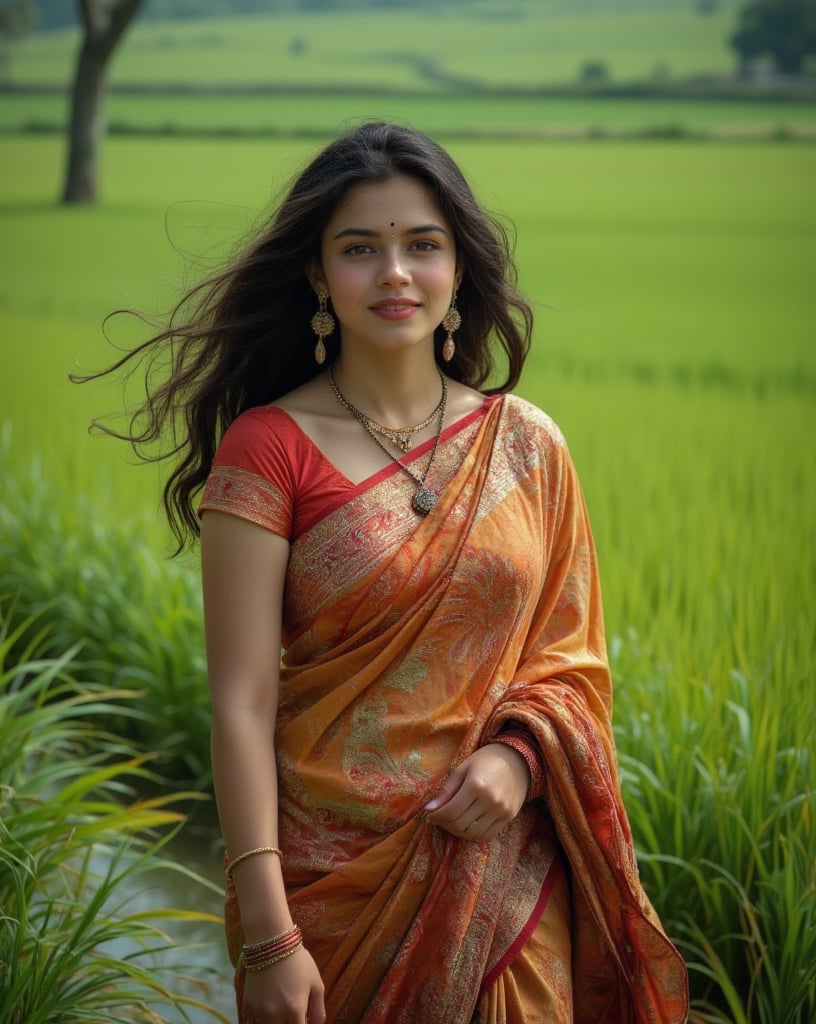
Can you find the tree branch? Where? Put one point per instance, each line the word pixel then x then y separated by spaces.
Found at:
pixel 105 24
pixel 87 14
pixel 121 17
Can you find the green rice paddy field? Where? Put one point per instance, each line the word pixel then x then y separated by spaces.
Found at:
pixel 433 67
pixel 521 42
pixel 675 322
pixel 674 344
pixel 481 117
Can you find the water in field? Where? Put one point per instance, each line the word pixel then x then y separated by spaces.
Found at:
pixel 198 949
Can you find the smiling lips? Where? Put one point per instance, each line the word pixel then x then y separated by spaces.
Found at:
pixel 394 309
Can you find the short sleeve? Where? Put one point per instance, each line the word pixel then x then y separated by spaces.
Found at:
pixel 252 475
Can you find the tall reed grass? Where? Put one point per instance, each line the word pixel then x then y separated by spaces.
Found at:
pixel 132 621
pixel 73 832
pixel 718 781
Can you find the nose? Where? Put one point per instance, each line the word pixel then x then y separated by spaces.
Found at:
pixel 393 271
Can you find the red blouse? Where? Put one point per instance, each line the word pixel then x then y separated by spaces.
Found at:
pixel 269 471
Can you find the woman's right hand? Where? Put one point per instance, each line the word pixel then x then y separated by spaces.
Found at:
pixel 288 992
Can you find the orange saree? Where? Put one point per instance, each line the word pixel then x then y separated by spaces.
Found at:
pixel 409 642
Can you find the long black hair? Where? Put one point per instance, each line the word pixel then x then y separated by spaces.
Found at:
pixel 242 337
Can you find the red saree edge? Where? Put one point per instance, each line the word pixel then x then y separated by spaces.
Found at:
pixel 525 933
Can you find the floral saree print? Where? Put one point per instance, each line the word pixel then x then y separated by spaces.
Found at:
pixel 409 642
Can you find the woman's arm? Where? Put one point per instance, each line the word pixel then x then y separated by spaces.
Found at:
pixel 243 572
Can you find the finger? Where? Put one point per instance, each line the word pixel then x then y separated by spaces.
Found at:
pixel 450 787
pixel 317 1008
pixel 470 825
pixel 494 830
pixel 482 829
pixel 457 813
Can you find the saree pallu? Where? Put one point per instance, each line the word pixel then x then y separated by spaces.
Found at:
pixel 410 642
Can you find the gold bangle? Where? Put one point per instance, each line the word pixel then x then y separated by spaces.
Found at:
pixel 276 940
pixel 251 853
pixel 255 967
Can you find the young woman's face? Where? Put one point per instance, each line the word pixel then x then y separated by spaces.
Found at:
pixel 389 264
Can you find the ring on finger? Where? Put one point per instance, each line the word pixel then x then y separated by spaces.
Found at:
pixel 473 824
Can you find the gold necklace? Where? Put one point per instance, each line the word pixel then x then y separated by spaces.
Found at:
pixel 403 437
pixel 400 437
pixel 424 498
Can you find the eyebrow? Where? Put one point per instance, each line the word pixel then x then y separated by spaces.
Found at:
pixel 423 229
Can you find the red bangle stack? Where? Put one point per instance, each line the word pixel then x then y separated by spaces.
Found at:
pixel 520 740
pixel 261 955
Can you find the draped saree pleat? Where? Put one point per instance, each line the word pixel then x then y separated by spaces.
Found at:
pixel 409 642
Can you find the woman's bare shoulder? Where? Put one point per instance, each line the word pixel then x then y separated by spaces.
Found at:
pixel 462 400
pixel 310 398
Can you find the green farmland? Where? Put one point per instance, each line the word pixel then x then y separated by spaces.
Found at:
pixel 451 116
pixel 655 266
pixel 494 43
pixel 493 69
pixel 673 287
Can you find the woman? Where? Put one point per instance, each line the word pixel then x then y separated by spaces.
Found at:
pixel 420 803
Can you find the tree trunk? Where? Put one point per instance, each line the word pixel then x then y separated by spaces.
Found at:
pixel 87 124
pixel 104 26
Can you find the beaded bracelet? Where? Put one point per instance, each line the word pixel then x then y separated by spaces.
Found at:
pixel 251 853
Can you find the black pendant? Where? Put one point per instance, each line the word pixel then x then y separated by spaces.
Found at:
pixel 423 501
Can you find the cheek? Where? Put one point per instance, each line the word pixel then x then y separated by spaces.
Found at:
pixel 439 280
pixel 346 280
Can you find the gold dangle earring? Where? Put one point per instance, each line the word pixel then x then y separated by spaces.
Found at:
pixel 323 325
pixel 451 321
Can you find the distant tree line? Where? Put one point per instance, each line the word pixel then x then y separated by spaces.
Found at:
pixel 52 14
pixel 782 29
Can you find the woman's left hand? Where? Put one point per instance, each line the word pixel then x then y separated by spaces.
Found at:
pixel 482 794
